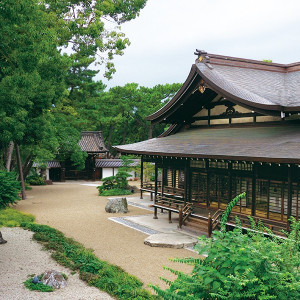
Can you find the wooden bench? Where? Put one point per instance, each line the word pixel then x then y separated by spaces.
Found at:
pixel 149 186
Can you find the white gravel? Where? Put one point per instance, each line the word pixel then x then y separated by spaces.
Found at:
pixel 22 256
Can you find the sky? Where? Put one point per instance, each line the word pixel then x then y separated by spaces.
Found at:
pixel 167 32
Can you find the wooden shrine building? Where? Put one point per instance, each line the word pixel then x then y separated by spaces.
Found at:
pixel 234 127
pixel 92 143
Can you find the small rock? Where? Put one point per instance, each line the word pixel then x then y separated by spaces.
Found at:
pixel 54 279
pixel 35 280
pixel 116 205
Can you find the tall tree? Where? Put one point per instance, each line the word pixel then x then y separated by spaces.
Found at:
pixel 39 86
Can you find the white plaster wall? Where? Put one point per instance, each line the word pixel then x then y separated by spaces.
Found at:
pixel 107 172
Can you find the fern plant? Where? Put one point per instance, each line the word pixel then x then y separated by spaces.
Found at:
pixel 240 266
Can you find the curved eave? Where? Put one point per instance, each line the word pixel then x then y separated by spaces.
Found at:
pixel 218 157
pixel 171 106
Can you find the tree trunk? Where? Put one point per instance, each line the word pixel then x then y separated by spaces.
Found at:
pixel 27 166
pixel 20 171
pixel 9 153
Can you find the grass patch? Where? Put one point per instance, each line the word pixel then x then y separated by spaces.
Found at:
pixel 12 218
pixel 37 286
pixel 115 192
pixel 109 278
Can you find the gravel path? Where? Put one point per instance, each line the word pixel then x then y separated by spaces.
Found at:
pixel 22 256
pixel 78 212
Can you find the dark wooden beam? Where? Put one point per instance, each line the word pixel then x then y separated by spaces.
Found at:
pixel 254 177
pixel 228 116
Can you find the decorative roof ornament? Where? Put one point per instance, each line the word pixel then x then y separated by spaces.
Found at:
pixel 202 56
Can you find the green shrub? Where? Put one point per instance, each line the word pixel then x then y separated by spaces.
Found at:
pixel 35 179
pixel 10 189
pixel 121 180
pixel 241 266
pixel 37 286
pixel 95 272
pixel 115 192
pixel 12 218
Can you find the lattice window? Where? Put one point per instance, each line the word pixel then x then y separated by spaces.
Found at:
pixel 218 164
pixel 198 164
pixel 242 166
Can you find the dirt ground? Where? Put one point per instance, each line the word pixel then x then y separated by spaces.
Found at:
pixel 78 212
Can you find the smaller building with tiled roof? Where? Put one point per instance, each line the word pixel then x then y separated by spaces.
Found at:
pixel 92 142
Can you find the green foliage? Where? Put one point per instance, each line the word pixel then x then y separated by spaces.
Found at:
pixel 95 272
pixel 228 210
pixel 12 218
pixel 241 266
pixel 9 189
pixel 115 192
pixel 35 179
pixel 37 286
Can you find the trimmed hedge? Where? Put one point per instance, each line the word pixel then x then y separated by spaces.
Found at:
pixel 69 253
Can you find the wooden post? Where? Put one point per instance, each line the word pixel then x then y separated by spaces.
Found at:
pixel 142 176
pixel 290 195
pixel 180 218
pixel 156 178
pixel 170 216
pixel 155 213
pixel 230 181
pixel 207 183
pixel 209 225
pixel 254 177
pixel 186 178
pixel 20 171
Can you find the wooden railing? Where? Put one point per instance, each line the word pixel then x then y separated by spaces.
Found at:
pixel 213 221
pixel 184 213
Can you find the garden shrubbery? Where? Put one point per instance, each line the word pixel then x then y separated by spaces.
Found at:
pixel 12 218
pixel 10 188
pixel 35 179
pixel 115 185
pixel 95 272
pixel 241 266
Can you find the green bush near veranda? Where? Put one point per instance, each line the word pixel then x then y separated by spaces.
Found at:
pixel 241 266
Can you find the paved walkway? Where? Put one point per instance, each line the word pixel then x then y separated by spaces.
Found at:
pixel 76 209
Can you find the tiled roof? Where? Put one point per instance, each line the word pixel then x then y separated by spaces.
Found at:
pixel 262 87
pixel 258 85
pixel 280 143
pixel 92 142
pixel 50 164
pixel 114 163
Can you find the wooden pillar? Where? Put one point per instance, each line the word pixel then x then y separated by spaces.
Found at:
pixel 20 171
pixel 254 177
pixel 186 180
pixel 170 216
pixel 229 181
pixel 142 176
pixel 290 194
pixel 207 182
pixel 156 178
